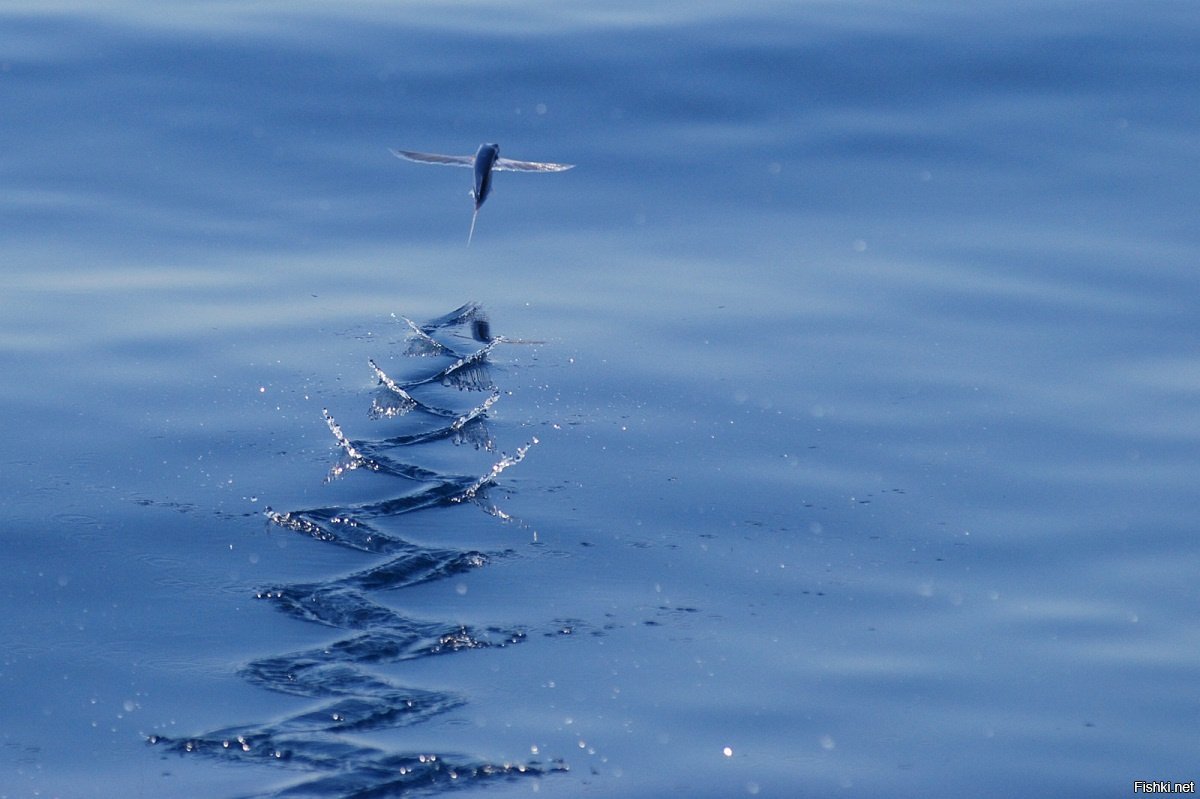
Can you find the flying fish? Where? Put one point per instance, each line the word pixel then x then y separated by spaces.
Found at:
pixel 486 161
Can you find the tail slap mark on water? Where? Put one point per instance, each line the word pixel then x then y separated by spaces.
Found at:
pixel 420 566
pixel 330 526
pixel 399 402
pixel 347 696
pixel 489 478
pixel 464 430
pixel 367 455
pixel 354 458
pixel 407 403
pixel 469 316
pixel 475 413
pixel 469 372
pixel 420 343
pixel 412 775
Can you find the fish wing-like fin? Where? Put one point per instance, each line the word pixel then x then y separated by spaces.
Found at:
pixel 434 158
pixel 509 165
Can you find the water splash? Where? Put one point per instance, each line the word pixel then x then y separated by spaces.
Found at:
pixel 397 401
pixel 420 343
pixel 354 458
pixel 468 373
pixel 351 698
pixel 401 402
pixel 498 467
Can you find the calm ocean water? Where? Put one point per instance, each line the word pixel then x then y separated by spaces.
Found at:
pixel 832 428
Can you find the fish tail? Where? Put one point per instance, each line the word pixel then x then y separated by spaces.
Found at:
pixel 471 235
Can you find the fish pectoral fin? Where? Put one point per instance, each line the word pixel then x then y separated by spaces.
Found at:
pixel 509 165
pixel 434 158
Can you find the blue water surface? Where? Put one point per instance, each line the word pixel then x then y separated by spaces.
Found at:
pixel 832 428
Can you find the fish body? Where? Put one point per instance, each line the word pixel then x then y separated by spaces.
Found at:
pixel 485 161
